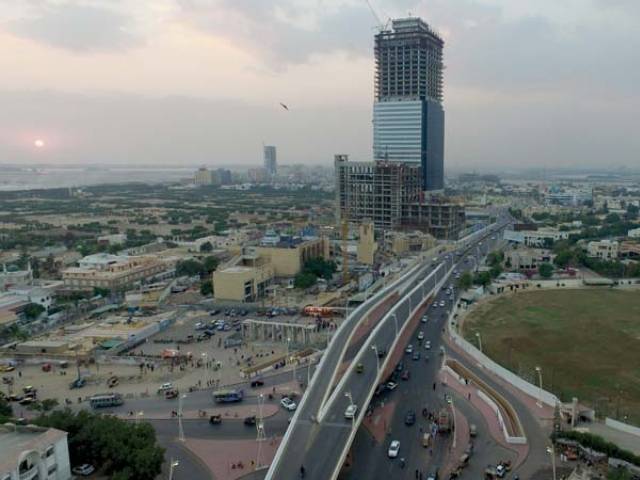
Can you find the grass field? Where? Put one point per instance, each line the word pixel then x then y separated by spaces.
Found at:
pixel 587 343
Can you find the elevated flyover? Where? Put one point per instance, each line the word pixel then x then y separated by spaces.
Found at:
pixel 319 436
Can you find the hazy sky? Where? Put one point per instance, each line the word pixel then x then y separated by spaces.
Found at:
pixel 185 82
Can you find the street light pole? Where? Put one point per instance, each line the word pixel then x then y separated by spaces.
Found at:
pixel 479 341
pixel 180 428
pixel 539 370
pixel 172 466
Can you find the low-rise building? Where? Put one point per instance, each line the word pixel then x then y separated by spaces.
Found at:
pixel 30 453
pixel 15 278
pixel 603 249
pixel 635 233
pixel 527 258
pixel 367 245
pixel 113 272
pixel 288 256
pixel 245 279
pixel 114 239
pixel 11 308
pixel 400 243
pixel 537 238
pixel 42 292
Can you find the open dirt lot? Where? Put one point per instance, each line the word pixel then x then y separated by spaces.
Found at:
pixel 586 341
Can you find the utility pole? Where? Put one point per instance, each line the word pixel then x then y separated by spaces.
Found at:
pixel 260 433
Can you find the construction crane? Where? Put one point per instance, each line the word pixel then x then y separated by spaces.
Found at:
pixel 381 26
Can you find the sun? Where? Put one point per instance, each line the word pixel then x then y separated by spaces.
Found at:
pixel 39 143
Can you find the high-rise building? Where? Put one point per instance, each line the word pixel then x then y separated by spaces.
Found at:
pixel 270 162
pixel 408 118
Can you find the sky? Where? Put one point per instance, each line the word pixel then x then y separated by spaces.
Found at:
pixel 199 82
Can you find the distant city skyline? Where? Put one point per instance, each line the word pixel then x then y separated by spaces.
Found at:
pixel 168 82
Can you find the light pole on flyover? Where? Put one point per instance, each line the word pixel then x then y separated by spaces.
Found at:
pixel 375 351
pixel 539 370
pixel 479 341
pixel 395 319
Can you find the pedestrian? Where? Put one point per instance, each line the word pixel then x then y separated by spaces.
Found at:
pixel 417 473
pixel 434 386
pixel 402 462
pixel 469 395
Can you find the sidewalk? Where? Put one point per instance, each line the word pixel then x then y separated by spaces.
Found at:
pixel 232 459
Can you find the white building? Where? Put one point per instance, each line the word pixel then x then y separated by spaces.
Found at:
pixel 114 239
pixel 635 233
pixel 43 292
pixel 15 278
pixel 603 249
pixel 535 238
pixel 31 452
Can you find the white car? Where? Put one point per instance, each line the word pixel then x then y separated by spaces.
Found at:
pixel 424 319
pixel 351 410
pixel 442 303
pixel 394 448
pixel 84 470
pixel 391 386
pixel 420 335
pixel 409 349
pixel 165 386
pixel 288 404
pixel 427 345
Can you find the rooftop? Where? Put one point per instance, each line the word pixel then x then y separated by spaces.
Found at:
pixel 14 440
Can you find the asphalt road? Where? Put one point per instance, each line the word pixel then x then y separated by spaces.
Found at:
pixel 319 445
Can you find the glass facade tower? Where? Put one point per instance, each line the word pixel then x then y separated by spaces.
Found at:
pixel 408 118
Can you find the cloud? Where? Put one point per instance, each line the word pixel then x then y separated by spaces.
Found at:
pixel 77 27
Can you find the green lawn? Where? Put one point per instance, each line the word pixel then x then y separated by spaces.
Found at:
pixel 586 341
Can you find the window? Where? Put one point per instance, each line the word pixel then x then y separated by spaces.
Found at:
pixel 52 469
pixel 50 451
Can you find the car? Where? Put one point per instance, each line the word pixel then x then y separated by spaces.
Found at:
pixel 410 418
pixel 421 335
pixel 351 410
pixel 399 367
pixel 165 386
pixel 448 398
pixel 427 345
pixel 406 375
pixel 391 386
pixel 288 404
pixel 214 312
pixel 171 394
pixel 415 356
pixel 382 352
pixel 433 474
pixel 199 326
pixel 83 470
pixel 424 319
pixel 394 449
pixel 442 303
pixel 473 430
pixel 251 420
pixel 501 471
pixel 77 383
pixel 7 368
pixel 359 368
pixel 257 382
pixel 409 349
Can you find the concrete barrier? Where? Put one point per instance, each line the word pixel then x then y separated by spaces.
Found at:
pixel 509 439
pixel 622 427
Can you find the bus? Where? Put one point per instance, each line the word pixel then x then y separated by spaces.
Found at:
pixel 228 396
pixel 106 400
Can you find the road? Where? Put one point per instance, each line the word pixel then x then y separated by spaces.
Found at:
pixel 370 458
pixel 319 443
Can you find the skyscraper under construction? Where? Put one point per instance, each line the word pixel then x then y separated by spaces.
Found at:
pixel 408 118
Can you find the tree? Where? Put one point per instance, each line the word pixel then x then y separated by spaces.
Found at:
pixel 102 292
pixel 545 270
pixel 189 268
pixel 206 247
pixel 125 450
pixel 210 264
pixel 632 212
pixel 33 310
pixel 465 281
pixel 6 412
pixel 563 259
pixel 495 271
pixel 482 278
pixel 320 267
pixel 304 280
pixel 206 287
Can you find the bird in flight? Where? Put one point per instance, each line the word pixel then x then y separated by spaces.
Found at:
pixel 284 106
